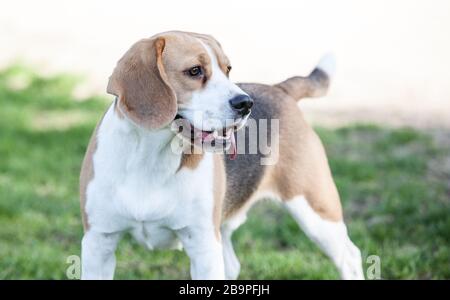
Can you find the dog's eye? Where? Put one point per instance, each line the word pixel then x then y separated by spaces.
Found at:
pixel 228 69
pixel 196 71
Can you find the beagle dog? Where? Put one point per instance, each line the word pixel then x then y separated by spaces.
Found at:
pixel 135 180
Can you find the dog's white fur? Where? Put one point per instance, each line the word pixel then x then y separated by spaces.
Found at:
pixel 138 187
pixel 331 237
pixel 328 64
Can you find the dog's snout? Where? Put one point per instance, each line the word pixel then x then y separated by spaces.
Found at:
pixel 241 104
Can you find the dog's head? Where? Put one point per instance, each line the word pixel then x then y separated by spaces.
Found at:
pixel 179 75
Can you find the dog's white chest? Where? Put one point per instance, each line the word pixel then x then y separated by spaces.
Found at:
pixel 143 198
pixel 139 187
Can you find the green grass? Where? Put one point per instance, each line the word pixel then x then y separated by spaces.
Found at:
pixel 393 182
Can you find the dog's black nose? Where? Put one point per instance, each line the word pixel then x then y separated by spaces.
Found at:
pixel 241 104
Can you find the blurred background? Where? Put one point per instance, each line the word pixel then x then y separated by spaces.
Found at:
pixel 385 124
pixel 393 57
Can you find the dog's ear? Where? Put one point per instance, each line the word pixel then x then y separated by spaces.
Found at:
pixel 141 85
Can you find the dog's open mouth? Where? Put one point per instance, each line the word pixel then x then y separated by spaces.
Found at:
pixel 224 137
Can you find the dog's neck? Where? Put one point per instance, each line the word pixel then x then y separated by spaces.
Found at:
pixel 156 149
pixel 169 151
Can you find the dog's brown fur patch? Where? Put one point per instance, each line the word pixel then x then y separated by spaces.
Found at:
pixel 219 192
pixel 190 161
pixel 302 168
pixel 141 85
pixel 87 174
pixel 151 86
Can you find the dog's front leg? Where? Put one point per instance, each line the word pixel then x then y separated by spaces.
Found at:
pixel 98 255
pixel 204 248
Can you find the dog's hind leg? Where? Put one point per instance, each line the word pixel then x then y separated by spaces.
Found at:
pixel 232 265
pixel 330 236
pixel 310 195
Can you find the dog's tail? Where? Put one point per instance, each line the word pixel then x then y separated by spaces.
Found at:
pixel 315 84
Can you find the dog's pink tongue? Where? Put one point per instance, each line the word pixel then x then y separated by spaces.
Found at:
pixel 205 135
pixel 233 151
